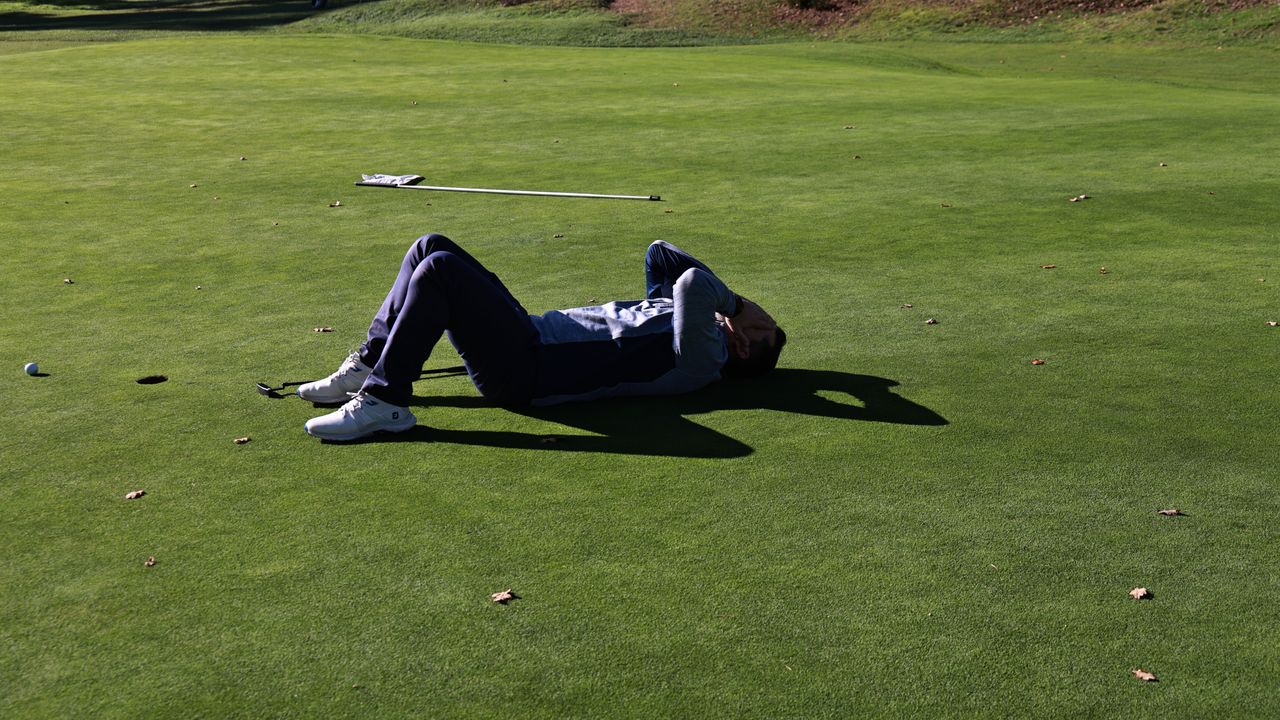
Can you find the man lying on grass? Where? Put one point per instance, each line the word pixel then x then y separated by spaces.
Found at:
pixel 689 332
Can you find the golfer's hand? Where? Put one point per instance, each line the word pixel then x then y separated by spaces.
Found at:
pixel 750 324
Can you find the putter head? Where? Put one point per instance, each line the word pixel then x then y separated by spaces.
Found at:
pixel 265 389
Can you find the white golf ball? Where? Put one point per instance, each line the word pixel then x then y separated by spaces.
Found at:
pixel 31 368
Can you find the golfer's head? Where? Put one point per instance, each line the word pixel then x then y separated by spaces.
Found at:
pixel 763 349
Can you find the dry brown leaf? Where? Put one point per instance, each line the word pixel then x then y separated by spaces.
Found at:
pixel 503 597
pixel 1140 593
pixel 1037 361
pixel 1143 675
pixel 241 440
pixel 134 495
pixel 1048 267
pixel 324 329
pixel 151 561
pixel 1170 512
pixel 931 321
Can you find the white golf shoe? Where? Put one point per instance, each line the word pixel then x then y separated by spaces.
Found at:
pixel 363 415
pixel 340 386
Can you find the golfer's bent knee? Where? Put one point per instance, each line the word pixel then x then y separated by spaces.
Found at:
pixel 429 243
pixel 434 265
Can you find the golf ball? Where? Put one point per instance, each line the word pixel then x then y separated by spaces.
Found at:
pixel 31 368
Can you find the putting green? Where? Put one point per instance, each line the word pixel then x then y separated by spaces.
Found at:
pixel 908 519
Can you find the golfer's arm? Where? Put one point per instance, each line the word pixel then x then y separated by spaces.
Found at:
pixel 699 343
pixel 664 263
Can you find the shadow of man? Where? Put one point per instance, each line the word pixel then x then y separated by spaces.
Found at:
pixel 658 426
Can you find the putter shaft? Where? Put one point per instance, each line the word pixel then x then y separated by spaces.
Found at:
pixel 494 191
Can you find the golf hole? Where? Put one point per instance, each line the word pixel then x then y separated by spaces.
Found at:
pixel 152 380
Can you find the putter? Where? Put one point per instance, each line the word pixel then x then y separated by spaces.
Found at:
pixel 274 392
pixel 265 389
pixel 409 182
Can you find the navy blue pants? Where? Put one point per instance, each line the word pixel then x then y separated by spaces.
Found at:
pixel 441 288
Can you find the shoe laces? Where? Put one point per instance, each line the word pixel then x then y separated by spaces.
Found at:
pixel 356 402
pixel 350 364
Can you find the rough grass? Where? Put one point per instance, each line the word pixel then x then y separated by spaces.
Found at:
pixel 644 23
pixel 814 546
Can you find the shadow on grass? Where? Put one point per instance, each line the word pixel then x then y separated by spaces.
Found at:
pixel 179 15
pixel 658 426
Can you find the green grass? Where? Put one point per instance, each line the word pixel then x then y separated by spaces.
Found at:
pixel 778 551
pixel 670 23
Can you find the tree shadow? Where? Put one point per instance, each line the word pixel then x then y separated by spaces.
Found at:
pixel 659 426
pixel 175 15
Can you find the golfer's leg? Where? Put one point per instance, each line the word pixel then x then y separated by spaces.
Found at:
pixel 385 319
pixel 664 263
pixel 492 332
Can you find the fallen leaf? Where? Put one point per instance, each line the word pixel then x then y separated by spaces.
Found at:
pixel 241 440
pixel 504 597
pixel 68 281
pixel 151 561
pixel 931 321
pixel 336 203
pixel 850 127
pixel 322 329
pixel 1048 267
pixel 1037 361
pixel 907 305
pixel 945 205
pixel 134 495
pixel 1143 675
pixel 1170 512
pixel 1140 593
pixel 668 211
